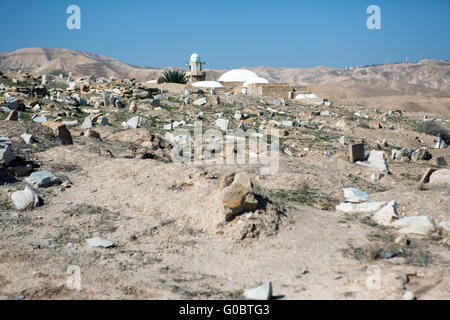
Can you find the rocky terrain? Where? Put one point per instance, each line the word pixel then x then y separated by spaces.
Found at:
pixel 417 86
pixel 93 205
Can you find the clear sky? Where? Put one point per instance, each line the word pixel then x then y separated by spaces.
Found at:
pixel 232 33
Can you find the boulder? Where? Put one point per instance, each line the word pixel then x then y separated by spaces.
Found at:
pixel 222 124
pixel 133 107
pixel 42 179
pixel 102 120
pixel 355 195
pixel 238 196
pixel 87 123
pixel 263 292
pixel 377 159
pixel 365 207
pixel 60 130
pixel 441 176
pixel 421 225
pixel 387 214
pixel 100 242
pixel 26 199
pixel 200 102
pixel 6 154
pixel 445 225
pixel 27 138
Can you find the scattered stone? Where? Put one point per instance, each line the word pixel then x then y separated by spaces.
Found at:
pixel 13 116
pixel 445 225
pixel 12 102
pixel 92 134
pixel 100 242
pixel 402 240
pixel 60 130
pixel 408 295
pixel 26 199
pixel 329 153
pixel 441 176
pixel 42 179
pixel 440 143
pixel 376 176
pixel 421 225
pixel 238 196
pixel 377 159
pixel 133 107
pixel 200 102
pixel 356 152
pixel 365 207
pixel 133 123
pixel 40 119
pixel 6 154
pixel 387 214
pixel 263 292
pixel 160 97
pixel 28 138
pixel 87 123
pixel 421 154
pixel 342 140
pixel 277 103
pixel 355 195
pixel 102 120
pixel 155 103
pixel 222 124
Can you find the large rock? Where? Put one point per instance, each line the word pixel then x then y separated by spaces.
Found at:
pixel 387 214
pixel 60 130
pixel 355 195
pixel 222 124
pixel 421 225
pixel 445 225
pixel 100 242
pixel 42 179
pixel 12 102
pixel 200 102
pixel 440 143
pixel 263 292
pixel 6 154
pixel 365 207
pixel 441 176
pixel 237 195
pixel 377 159
pixel 25 199
pixel 87 123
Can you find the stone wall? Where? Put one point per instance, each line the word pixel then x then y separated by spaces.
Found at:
pixel 274 90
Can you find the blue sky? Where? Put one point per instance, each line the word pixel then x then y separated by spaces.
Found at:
pixel 230 34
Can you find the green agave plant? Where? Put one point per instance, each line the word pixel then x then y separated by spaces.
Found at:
pixel 174 76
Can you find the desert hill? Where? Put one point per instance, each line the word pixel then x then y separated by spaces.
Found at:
pixel 421 86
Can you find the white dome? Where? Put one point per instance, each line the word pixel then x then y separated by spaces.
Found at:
pixel 255 80
pixel 195 57
pixel 237 75
pixel 207 84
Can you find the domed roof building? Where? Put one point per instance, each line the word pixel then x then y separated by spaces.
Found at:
pixel 237 75
pixel 195 57
pixel 195 72
pixel 254 80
